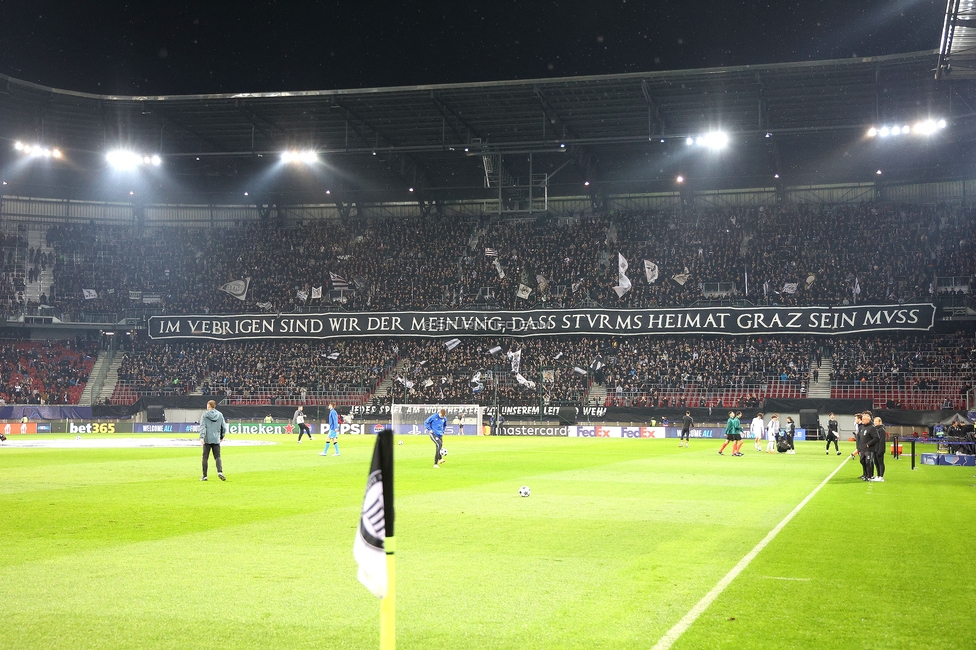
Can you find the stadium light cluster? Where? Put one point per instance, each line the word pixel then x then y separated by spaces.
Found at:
pixel 714 140
pixel 124 160
pixel 36 150
pixel 923 127
pixel 308 157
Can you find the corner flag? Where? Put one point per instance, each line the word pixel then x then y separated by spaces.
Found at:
pixel 375 544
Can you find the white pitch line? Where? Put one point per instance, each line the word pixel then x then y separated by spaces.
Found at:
pixel 688 619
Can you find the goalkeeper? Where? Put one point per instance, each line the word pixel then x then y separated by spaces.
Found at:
pixel 434 425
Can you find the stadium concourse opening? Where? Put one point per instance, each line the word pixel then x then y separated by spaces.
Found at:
pixel 579 270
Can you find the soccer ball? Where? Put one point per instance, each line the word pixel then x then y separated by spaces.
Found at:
pixel 77 437
pixel 443 453
pixel 524 491
pixel 400 442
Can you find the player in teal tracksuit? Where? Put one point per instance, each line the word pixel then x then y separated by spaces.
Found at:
pixel 435 425
pixel 733 434
pixel 333 431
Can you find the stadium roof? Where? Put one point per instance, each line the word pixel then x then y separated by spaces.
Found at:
pixel 624 132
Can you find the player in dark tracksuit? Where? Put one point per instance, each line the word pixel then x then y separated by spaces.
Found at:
pixel 686 424
pixel 833 428
pixel 878 453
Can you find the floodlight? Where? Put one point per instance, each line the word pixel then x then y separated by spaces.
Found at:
pixel 690 141
pixel 680 179
pixel 884 132
pixel 410 190
pixel 56 153
pixel 715 140
pixel 878 172
pixel 872 132
pixel 19 146
pixel 123 160
pixel 905 129
pixel 586 183
pixel 775 175
pixel 941 124
pixel 156 160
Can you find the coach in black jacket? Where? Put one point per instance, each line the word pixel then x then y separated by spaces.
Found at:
pixel 866 437
pixel 878 453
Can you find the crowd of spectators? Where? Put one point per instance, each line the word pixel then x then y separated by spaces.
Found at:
pixel 833 254
pixel 939 366
pixel 13 254
pixel 48 372
pixel 645 371
pixel 648 364
pixel 255 369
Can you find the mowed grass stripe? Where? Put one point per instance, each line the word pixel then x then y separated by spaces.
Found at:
pixel 863 566
pixel 618 540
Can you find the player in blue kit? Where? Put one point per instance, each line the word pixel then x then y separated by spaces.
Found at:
pixel 333 431
pixel 434 425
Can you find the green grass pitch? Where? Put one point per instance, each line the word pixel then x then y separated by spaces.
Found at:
pixel 126 548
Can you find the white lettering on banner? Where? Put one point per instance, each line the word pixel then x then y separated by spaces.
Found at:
pixel 733 321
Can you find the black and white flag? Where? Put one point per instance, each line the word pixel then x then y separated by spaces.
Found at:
pixel 491 252
pixel 789 287
pixel 498 267
pixel 302 295
pixel 90 294
pixel 579 371
pixel 377 518
pixel 528 383
pixel 237 288
pixel 316 292
pixel 651 271
pixel 495 350
pixel 682 278
pixel 523 292
pixel 516 359
pixel 338 283
pixel 623 282
pixel 450 344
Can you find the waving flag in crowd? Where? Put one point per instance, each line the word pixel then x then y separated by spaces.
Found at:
pixel 237 288
pixel 623 282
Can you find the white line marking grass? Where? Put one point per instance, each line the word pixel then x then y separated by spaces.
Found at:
pixel 688 619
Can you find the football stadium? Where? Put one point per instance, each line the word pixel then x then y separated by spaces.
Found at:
pixel 668 358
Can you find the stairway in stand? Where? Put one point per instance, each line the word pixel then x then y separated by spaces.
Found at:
pixel 34 290
pixel 820 389
pixel 597 395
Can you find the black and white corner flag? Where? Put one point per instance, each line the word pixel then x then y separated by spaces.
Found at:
pixel 376 522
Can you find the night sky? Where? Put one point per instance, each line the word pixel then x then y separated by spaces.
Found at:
pixel 181 47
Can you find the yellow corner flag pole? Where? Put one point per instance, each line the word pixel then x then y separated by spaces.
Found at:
pixel 388 602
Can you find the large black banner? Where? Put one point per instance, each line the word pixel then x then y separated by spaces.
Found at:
pixel 733 321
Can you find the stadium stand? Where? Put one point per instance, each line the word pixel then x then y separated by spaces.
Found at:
pixel 50 372
pixel 910 372
pixel 915 372
pixel 885 252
